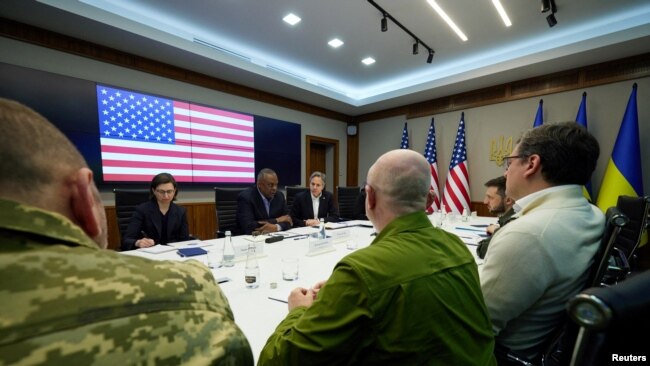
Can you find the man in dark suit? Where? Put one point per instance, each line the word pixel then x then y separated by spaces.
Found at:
pixel 310 206
pixel 262 208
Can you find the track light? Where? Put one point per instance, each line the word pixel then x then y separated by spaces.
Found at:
pixel 546 5
pixel 551 20
pixel 417 41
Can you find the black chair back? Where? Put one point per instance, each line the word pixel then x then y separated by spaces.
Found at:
pixel 125 202
pixel 226 210
pixel 347 197
pixel 636 209
pixel 610 319
pixel 292 191
pixel 615 221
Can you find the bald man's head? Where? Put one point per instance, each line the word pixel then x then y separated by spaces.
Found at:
pixel 402 177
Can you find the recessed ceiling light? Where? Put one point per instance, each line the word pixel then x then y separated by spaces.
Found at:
pixel 502 12
pixel 292 19
pixel 368 60
pixel 336 43
pixel 447 19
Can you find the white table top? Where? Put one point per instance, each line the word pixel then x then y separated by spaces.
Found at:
pixel 255 313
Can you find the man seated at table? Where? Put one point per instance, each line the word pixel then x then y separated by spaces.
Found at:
pixel 263 208
pixel 411 297
pixel 498 204
pixel 541 259
pixel 65 300
pixel 316 203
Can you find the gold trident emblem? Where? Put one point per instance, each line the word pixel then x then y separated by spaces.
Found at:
pixel 500 150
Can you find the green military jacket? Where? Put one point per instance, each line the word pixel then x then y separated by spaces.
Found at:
pixel 65 301
pixel 411 297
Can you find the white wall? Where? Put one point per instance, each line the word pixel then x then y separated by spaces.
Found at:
pixel 605 108
pixel 40 58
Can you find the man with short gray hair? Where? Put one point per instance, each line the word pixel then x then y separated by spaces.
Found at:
pixel 64 299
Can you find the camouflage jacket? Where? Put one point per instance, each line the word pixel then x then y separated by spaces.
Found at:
pixel 65 301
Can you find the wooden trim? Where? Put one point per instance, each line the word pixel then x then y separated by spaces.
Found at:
pixel 352 161
pixel 628 68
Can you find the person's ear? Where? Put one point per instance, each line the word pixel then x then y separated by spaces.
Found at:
pixel 533 165
pixel 83 202
pixel 431 196
pixel 371 198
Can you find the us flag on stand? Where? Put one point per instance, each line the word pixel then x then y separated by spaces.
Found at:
pixel 143 135
pixel 456 194
pixel 405 138
pixel 431 156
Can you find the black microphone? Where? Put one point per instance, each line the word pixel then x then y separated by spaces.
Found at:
pixel 274 239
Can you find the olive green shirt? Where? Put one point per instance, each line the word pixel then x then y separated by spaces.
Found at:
pixel 65 301
pixel 411 298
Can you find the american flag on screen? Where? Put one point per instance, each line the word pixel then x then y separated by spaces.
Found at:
pixel 456 194
pixel 431 156
pixel 143 135
pixel 405 138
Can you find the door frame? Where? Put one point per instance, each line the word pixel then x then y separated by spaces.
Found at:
pixel 309 140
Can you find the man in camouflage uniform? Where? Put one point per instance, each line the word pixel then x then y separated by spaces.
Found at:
pixel 64 299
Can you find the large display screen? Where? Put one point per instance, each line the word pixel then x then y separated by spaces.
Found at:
pixel 128 136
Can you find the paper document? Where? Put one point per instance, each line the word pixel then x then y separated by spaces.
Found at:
pixel 157 249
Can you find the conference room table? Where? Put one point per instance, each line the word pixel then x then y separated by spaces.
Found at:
pixel 258 311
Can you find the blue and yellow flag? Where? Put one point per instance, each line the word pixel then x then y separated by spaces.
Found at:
pixel 623 174
pixel 581 118
pixel 539 117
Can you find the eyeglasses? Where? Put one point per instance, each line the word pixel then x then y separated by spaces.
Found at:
pixel 168 192
pixel 507 159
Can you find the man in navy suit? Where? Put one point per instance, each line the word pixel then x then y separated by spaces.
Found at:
pixel 262 208
pixel 310 206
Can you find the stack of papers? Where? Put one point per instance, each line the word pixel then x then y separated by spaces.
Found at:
pixel 157 249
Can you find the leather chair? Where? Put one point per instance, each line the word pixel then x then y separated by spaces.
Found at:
pixel 292 191
pixel 226 210
pixel 347 198
pixel 637 210
pixel 125 202
pixel 610 319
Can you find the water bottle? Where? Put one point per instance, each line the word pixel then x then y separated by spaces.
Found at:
pixel 252 271
pixel 465 216
pixel 321 229
pixel 228 251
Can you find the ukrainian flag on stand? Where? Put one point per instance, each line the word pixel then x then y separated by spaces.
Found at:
pixel 623 174
pixel 581 118
pixel 539 117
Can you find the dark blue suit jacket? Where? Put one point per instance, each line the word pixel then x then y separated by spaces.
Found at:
pixel 148 218
pixel 250 210
pixel 303 209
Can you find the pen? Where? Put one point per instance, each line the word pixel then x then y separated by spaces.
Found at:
pixel 301 237
pixel 144 235
pixel 272 298
pixel 469 229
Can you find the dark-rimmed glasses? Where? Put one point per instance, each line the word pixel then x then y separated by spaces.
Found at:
pixel 506 159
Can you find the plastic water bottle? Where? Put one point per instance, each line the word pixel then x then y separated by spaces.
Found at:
pixel 252 271
pixel 465 215
pixel 228 251
pixel 321 229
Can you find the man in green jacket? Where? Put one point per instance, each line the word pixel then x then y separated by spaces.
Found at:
pixel 411 297
pixel 64 299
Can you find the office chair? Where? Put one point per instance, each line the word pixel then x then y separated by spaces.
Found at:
pixel 347 197
pixel 292 191
pixel 558 347
pixel 610 319
pixel 226 210
pixel 125 202
pixel 636 209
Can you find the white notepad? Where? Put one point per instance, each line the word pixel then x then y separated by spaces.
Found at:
pixel 157 249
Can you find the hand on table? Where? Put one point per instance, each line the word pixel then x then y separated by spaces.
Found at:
pixel 144 243
pixel 300 297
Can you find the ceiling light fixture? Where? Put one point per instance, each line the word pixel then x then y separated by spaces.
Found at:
pixel 368 61
pixel 550 5
pixel 336 43
pixel 447 19
pixel 502 12
pixel 384 27
pixel 292 19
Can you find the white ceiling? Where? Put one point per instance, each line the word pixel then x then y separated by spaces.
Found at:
pixel 265 53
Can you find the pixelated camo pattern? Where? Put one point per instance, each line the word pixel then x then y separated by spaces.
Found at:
pixel 64 301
